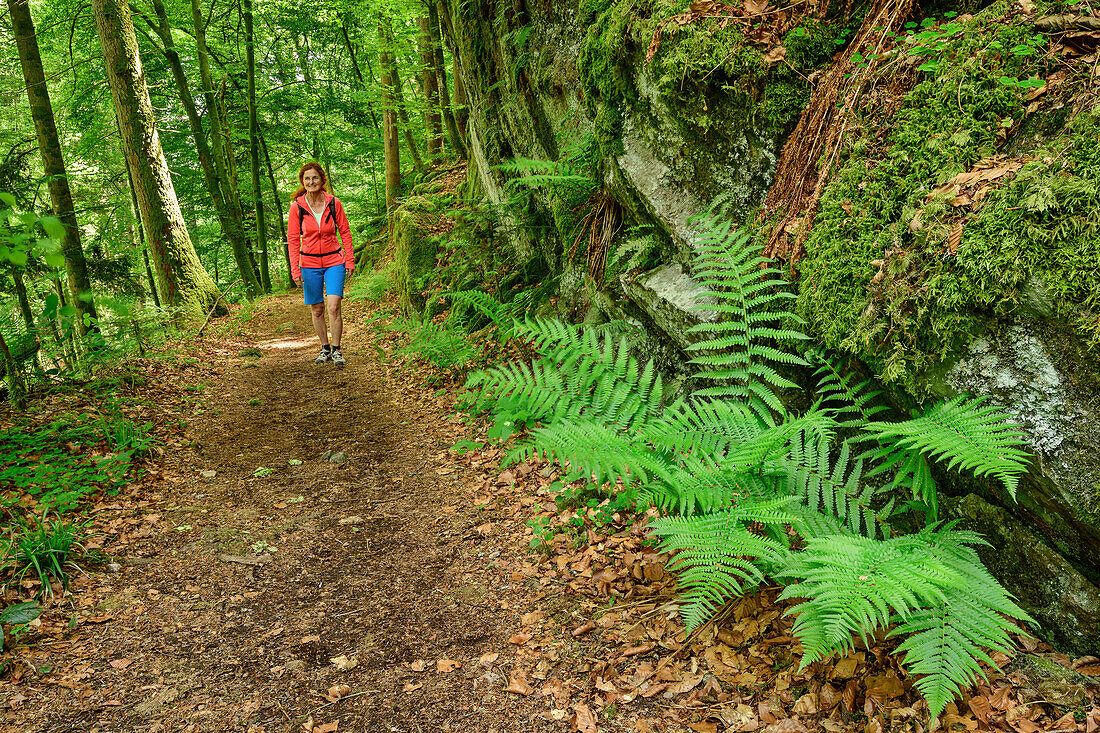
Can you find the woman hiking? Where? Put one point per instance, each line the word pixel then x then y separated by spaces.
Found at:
pixel 318 259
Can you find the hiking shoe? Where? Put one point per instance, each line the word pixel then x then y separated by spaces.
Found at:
pixel 324 356
pixel 338 358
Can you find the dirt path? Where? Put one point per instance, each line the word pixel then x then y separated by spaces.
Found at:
pixel 241 589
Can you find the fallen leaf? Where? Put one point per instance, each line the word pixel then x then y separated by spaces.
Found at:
pixel 530 619
pixel 343 663
pixel 755 7
pixel 585 721
pixel 791 725
pixel 518 684
pixel 447 665
pixel 584 628
pixel 520 638
pixel 120 663
pixel 336 692
pixel 704 726
pixel 806 705
pixel 409 686
pixel 487 659
pixel 417 666
pixel 775 55
pixel 327 727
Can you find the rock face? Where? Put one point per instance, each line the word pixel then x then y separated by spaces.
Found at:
pixel 528 102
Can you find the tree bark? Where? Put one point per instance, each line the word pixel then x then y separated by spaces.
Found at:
pixel 254 142
pixel 389 59
pixel 454 133
pixel 221 150
pixel 278 211
pixel 461 113
pixel 391 145
pixel 433 119
pixel 182 280
pixel 53 162
pixel 229 219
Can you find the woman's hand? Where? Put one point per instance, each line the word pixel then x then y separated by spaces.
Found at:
pixel 298 282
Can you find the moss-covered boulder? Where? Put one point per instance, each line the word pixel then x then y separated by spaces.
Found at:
pixel 414 254
pixel 955 248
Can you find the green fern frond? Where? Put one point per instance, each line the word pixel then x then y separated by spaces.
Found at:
pixel 834 489
pixel 947 641
pixel 911 472
pixel 840 394
pixel 965 434
pixel 705 490
pixel 747 294
pixel 718 557
pixel 595 450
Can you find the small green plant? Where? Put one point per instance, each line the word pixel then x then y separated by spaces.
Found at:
pixel 262 472
pixel 261 546
pixel 542 536
pixel 16 614
pixel 443 346
pixel 45 549
pixel 255 402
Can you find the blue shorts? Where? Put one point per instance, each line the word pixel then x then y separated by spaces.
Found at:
pixel 314 277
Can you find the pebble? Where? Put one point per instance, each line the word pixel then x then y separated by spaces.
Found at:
pixel 114 567
pixel 295 665
pixel 208 474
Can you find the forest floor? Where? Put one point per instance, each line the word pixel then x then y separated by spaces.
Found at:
pixel 263 587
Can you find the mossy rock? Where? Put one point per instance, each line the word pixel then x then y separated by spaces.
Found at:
pixel 413 258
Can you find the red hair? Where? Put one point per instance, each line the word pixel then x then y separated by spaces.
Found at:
pixel 312 165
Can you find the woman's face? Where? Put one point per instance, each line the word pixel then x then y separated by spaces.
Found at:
pixel 312 180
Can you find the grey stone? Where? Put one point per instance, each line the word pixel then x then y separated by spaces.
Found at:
pixel 671 298
pixel 1062 600
pixel 295 665
pixel 339 457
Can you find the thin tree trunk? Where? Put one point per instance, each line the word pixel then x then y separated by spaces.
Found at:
pixel 181 278
pixel 389 61
pixel 230 219
pixel 278 209
pixel 358 83
pixel 17 390
pixel 28 317
pixel 222 152
pixel 461 112
pixel 53 162
pixel 391 144
pixel 140 232
pixel 433 121
pixel 453 132
pixel 302 49
pixel 254 142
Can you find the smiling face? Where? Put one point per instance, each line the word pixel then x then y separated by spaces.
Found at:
pixel 312 181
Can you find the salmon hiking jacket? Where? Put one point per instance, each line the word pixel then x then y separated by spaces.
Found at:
pixel 312 246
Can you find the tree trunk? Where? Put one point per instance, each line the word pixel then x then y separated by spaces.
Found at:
pixel 181 278
pixel 254 142
pixel 433 120
pixel 17 390
pixel 461 113
pixel 229 219
pixel 53 162
pixel 454 133
pixel 221 150
pixel 358 83
pixel 389 59
pixel 391 145
pixel 278 209
pixel 28 317
pixel 139 239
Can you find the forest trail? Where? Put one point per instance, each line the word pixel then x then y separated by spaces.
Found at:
pixel 241 588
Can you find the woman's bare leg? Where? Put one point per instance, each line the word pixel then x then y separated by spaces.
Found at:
pixel 319 322
pixel 335 319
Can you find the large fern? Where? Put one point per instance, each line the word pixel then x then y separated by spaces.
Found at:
pixel 932 582
pixel 717 557
pixel 736 350
pixel 964 433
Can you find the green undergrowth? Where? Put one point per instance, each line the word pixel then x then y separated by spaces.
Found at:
pixel 880 278
pixel 705 70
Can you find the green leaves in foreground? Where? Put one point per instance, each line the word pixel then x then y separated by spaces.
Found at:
pixel 20 613
pixel 931 582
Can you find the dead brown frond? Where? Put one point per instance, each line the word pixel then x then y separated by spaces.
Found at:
pixel 599 227
pixel 813 147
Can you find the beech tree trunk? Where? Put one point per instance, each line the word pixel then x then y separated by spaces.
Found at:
pixel 454 133
pixel 182 280
pixel 433 119
pixel 278 212
pixel 53 162
pixel 388 61
pixel 254 142
pixel 391 145
pixel 221 150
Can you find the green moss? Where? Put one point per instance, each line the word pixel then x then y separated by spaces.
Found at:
pixel 704 71
pixel 879 279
